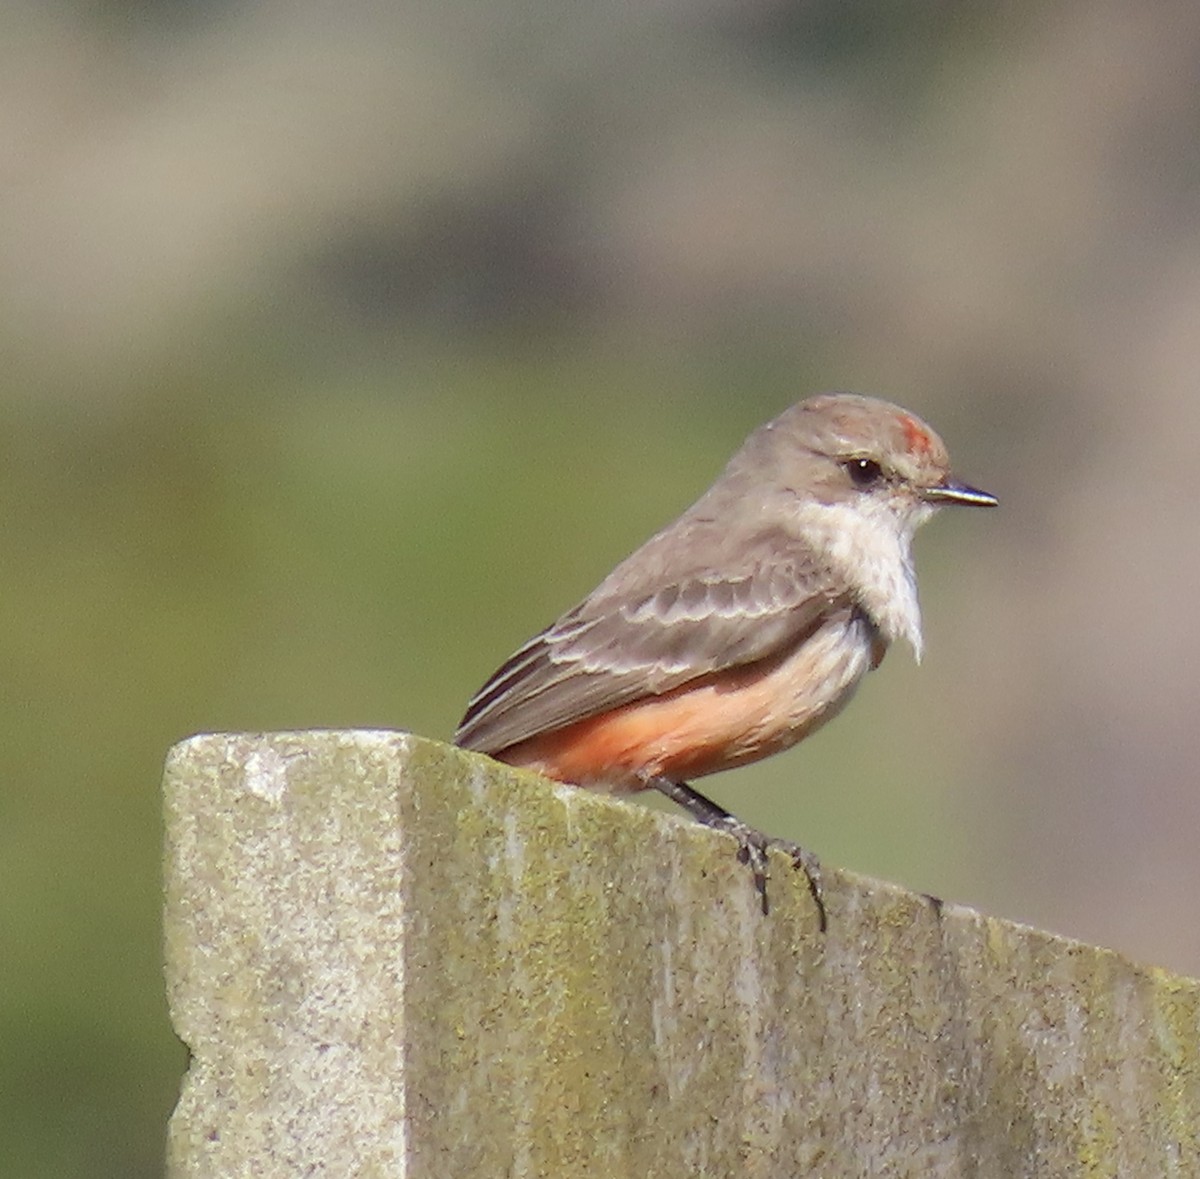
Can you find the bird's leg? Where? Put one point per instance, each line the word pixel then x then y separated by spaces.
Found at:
pixel 752 843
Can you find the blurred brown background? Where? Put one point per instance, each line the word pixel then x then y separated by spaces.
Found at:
pixel 345 344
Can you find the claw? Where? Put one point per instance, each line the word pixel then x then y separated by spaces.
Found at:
pixel 753 848
pixel 752 843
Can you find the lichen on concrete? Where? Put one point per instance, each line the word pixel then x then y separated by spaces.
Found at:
pixel 390 957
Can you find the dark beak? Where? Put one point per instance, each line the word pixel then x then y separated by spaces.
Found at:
pixel 952 492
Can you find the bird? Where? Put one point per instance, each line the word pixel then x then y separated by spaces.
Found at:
pixel 741 627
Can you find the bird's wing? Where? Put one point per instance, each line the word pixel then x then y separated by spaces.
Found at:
pixel 626 642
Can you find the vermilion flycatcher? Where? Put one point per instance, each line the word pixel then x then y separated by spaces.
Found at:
pixel 742 626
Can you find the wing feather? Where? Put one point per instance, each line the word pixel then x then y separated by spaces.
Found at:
pixel 640 635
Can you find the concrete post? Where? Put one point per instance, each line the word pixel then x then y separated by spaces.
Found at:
pixel 392 958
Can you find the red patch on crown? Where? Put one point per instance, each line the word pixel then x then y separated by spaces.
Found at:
pixel 915 435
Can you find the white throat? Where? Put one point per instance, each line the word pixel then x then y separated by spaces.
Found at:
pixel 870 544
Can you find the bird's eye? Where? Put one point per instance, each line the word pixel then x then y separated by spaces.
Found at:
pixel 864 472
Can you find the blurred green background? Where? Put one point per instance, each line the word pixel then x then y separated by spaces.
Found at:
pixel 348 344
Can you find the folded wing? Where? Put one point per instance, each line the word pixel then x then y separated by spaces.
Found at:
pixel 626 642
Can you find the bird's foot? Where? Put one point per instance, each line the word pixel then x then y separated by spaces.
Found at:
pixel 753 849
pixel 753 845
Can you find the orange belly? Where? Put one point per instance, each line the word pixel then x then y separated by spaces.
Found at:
pixel 712 723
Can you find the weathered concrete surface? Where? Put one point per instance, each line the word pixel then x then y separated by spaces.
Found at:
pixel 390 958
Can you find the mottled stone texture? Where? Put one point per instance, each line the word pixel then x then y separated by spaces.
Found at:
pixel 392 958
